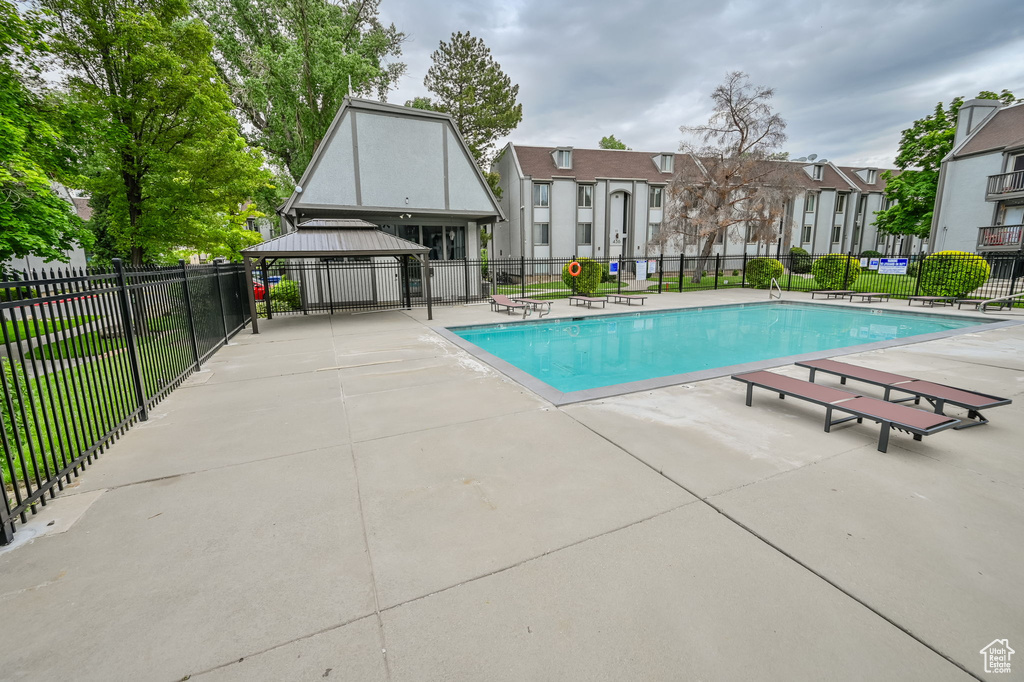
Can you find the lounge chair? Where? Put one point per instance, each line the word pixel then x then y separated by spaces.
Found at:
pixel 960 302
pixel 499 301
pixel 588 300
pixel 833 293
pixel 868 297
pixel 888 415
pixel 938 395
pixel 536 304
pixel 627 298
pixel 932 300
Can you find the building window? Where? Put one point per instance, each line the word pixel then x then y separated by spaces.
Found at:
pixel 840 203
pixel 584 234
pixel 653 231
pixel 856 236
pixel 655 196
pixel 541 194
pixel 837 231
pixel 863 204
pixel 806 236
pixel 541 234
pixel 749 234
pixel 816 173
pixel 809 204
pixel 872 177
pixel 666 163
pixel 563 158
pixel 585 196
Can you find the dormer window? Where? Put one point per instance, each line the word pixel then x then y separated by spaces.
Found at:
pixel 817 172
pixel 872 176
pixel 563 158
pixel 664 162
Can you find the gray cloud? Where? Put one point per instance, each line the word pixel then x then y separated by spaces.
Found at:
pixel 848 76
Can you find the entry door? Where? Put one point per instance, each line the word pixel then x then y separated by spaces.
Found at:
pixel 618 213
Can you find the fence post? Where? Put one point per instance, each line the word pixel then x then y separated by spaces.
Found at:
pixel 682 262
pixel 618 280
pixel 718 261
pixel 129 333
pixel 743 276
pixel 188 310
pixel 220 300
pixel 661 271
pixel 846 273
pixel 266 287
pixel 522 276
pixel 917 282
pixel 789 280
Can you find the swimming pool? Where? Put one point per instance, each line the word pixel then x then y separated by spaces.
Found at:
pixel 582 358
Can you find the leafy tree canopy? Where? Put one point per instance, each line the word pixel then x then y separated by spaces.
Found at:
pixel 610 142
pixel 164 157
pixel 290 63
pixel 470 86
pixel 912 192
pixel 33 219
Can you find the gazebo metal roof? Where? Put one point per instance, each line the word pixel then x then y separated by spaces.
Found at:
pixel 332 238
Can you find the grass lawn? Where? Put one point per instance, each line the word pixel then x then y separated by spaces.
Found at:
pixel 21 330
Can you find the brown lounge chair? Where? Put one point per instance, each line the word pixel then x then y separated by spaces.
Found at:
pixel 589 300
pixel 536 304
pixel 499 301
pixel 939 395
pixel 888 415
pixel 627 298
pixel 833 293
pixel 932 300
pixel 867 297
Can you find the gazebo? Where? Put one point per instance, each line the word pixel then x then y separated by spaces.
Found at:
pixel 331 238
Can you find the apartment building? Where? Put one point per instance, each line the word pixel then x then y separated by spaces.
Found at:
pixel 980 199
pixel 561 202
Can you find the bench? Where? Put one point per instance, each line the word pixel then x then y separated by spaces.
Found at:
pixel 937 395
pixel 868 297
pixel 888 415
pixel 627 298
pixel 932 300
pixel 833 293
pixel 588 300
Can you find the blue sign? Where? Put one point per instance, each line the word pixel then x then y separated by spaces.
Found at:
pixel 893 266
pixel 613 268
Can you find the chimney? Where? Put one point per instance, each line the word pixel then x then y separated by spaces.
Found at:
pixel 972 114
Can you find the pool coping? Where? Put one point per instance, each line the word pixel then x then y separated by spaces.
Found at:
pixel 559 398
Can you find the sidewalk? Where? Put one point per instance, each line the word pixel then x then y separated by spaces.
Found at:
pixel 351 497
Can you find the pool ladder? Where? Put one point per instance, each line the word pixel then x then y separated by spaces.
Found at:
pixel 771 289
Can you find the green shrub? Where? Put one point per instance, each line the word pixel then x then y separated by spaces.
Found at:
pixel 761 270
pixel 799 261
pixel 483 264
pixel 953 273
pixel 587 281
pixel 286 293
pixel 912 268
pixel 836 271
pixel 735 273
pixel 606 275
pixel 18 293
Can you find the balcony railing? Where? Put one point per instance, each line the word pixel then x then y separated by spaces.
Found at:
pixel 1005 183
pixel 1001 238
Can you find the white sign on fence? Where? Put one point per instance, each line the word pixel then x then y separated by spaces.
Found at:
pixel 893 266
pixel 652 267
pixel 641 270
pixel 873 264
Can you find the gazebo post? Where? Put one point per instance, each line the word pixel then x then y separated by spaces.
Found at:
pixel 266 287
pixel 426 280
pixel 252 294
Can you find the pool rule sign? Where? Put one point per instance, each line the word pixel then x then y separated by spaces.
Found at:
pixel 893 266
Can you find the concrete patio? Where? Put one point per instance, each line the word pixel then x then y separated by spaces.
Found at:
pixel 352 497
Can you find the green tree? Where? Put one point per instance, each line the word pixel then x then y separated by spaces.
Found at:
pixel 33 219
pixel 471 87
pixel 912 192
pixel 290 63
pixel 165 155
pixel 610 142
pixel 421 103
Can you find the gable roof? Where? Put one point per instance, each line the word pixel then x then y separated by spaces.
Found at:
pixel 850 173
pixel 319 238
pixel 385 160
pixel 1003 130
pixel 590 164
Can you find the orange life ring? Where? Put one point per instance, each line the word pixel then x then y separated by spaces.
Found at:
pixel 575 269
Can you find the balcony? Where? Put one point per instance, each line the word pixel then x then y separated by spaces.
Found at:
pixel 1005 186
pixel 1000 238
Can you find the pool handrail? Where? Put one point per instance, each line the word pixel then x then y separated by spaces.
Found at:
pixel 774 285
pixel 982 304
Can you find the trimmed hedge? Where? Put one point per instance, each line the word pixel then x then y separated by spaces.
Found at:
pixel 953 273
pixel 836 271
pixel 799 261
pixel 587 281
pixel 761 270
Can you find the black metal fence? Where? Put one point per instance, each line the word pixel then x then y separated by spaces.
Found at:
pixel 84 354
pixel 303 286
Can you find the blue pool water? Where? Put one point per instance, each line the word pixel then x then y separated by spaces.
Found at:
pixel 593 352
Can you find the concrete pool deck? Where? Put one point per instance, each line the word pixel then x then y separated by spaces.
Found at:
pixel 353 497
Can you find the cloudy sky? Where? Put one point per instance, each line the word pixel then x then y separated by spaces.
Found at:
pixel 849 76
